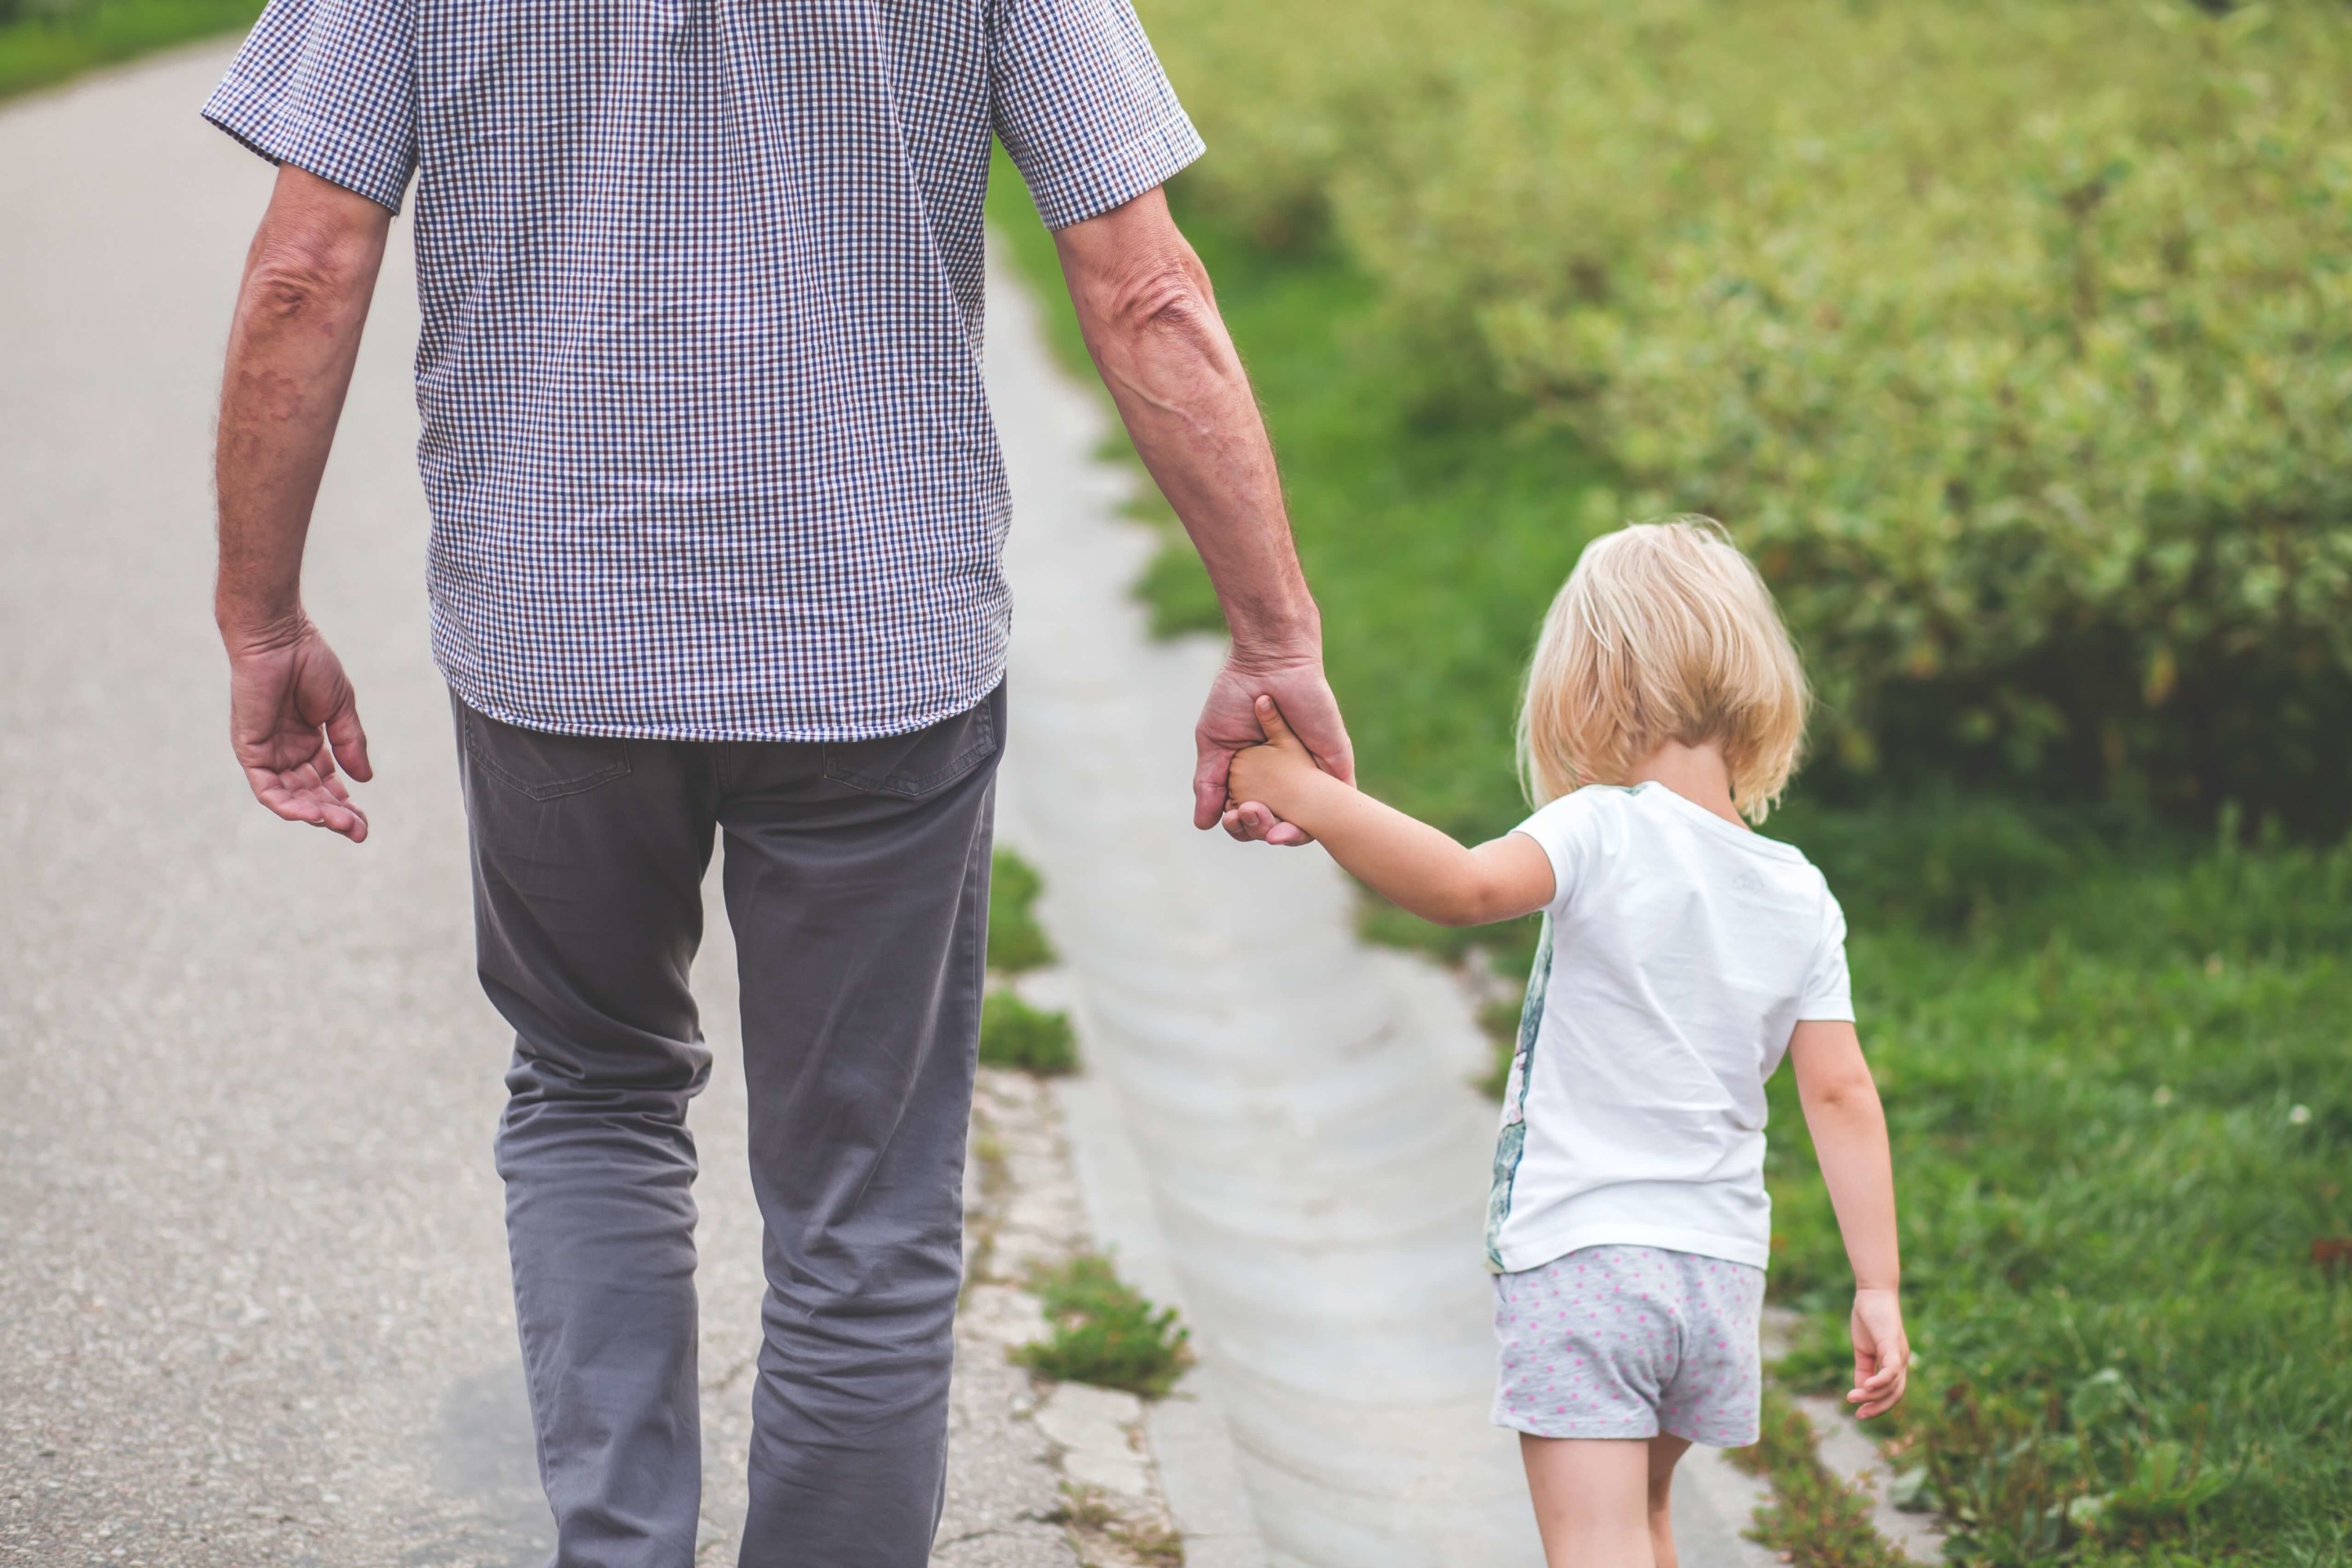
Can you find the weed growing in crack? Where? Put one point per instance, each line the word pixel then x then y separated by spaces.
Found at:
pixel 1013 1034
pixel 1016 942
pixel 1105 1332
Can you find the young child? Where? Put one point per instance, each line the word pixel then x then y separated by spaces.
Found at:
pixel 1682 955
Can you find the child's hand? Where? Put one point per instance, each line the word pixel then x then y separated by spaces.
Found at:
pixel 1272 773
pixel 1882 1353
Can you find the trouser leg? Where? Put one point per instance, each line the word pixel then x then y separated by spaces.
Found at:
pixel 859 894
pixel 588 860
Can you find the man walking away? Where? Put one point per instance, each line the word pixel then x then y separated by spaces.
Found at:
pixel 717 519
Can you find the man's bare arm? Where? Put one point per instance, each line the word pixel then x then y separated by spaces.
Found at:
pixel 309 278
pixel 1151 323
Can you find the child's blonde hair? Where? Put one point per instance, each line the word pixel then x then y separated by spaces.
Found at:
pixel 1664 632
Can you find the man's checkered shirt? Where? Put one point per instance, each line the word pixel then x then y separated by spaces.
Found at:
pixel 704 436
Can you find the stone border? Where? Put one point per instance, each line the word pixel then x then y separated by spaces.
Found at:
pixel 1041 1474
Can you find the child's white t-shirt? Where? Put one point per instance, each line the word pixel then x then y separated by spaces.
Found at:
pixel 1679 950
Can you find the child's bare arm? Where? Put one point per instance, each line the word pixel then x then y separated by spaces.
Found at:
pixel 1849 1128
pixel 1408 862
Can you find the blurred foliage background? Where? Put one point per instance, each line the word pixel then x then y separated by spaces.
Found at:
pixel 47 41
pixel 2014 338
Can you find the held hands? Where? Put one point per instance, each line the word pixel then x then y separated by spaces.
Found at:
pixel 1273 772
pixel 1230 725
pixel 1882 1353
pixel 292 719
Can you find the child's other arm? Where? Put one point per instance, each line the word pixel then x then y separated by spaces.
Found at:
pixel 1408 862
pixel 1849 1128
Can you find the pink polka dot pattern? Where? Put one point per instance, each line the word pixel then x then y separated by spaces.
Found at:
pixel 1627 1341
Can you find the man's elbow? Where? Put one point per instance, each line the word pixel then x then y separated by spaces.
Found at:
pixel 1161 300
pixel 300 274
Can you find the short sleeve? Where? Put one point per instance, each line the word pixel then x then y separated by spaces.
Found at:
pixel 1082 106
pixel 1829 991
pixel 328 86
pixel 1569 829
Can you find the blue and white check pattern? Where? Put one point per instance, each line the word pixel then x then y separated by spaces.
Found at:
pixel 704 434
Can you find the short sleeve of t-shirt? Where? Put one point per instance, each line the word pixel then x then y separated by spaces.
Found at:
pixel 1081 104
pixel 328 86
pixel 1569 829
pixel 1829 993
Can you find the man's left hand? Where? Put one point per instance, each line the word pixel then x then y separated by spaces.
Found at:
pixel 1229 722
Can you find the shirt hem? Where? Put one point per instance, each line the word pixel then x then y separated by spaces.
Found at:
pixel 235 109
pixel 1520 1256
pixel 754 731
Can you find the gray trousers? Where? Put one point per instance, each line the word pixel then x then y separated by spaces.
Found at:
pixel 856 880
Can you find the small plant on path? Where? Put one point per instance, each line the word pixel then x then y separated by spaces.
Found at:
pixel 1013 1034
pixel 1016 942
pixel 1105 1332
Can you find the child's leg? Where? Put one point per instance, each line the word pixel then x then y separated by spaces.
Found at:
pixel 1591 1499
pixel 1667 1451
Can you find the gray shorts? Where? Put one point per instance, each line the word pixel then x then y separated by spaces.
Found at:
pixel 1627 1341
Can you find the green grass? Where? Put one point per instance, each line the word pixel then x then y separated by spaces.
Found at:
pixel 1013 1034
pixel 42 45
pixel 1016 942
pixel 2122 1115
pixel 1105 1332
pixel 2093 1036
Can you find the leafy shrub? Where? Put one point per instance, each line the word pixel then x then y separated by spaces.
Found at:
pixel 1105 1332
pixel 2014 338
pixel 1013 1034
pixel 1016 942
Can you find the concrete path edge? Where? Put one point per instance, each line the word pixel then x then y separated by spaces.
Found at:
pixel 1200 1473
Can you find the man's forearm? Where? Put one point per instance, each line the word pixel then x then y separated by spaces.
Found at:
pixel 309 278
pixel 1151 323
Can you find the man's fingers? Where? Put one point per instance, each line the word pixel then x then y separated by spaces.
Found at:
pixel 1209 775
pixel 349 739
pixel 301 795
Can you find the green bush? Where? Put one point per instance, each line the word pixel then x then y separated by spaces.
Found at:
pixel 1016 942
pixel 1013 1034
pixel 2015 339
pixel 1104 1331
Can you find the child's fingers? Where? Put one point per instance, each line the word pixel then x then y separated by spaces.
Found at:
pixel 1887 1398
pixel 1270 720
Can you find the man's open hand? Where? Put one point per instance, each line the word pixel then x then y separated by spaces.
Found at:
pixel 1229 722
pixel 292 719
